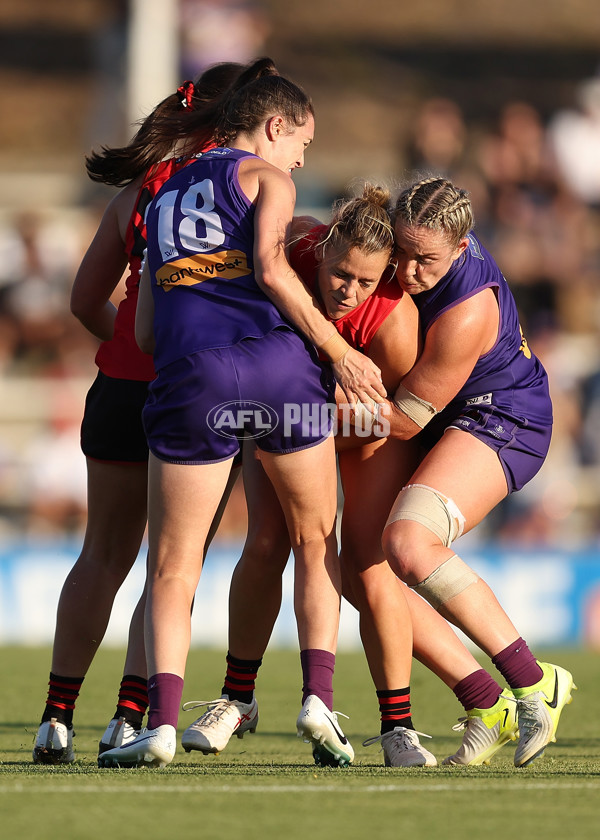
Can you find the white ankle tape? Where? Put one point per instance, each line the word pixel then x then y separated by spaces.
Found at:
pixel 448 580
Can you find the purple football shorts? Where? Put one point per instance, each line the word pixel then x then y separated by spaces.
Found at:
pixel 273 389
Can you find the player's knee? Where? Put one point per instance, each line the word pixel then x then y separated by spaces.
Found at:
pixel 358 554
pixel 267 552
pixel 421 519
pixel 428 507
pixel 110 567
pixel 402 548
pixel 370 577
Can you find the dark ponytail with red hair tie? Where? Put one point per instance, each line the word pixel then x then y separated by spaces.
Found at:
pixel 186 91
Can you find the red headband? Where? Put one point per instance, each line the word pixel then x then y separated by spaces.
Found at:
pixel 186 91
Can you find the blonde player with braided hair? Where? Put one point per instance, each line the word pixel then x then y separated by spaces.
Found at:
pixel 478 400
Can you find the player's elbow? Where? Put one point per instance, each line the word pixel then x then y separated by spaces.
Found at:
pixel 397 424
pixel 80 307
pixel 267 277
pixel 402 433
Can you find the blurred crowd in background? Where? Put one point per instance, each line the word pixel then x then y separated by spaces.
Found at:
pixel 534 181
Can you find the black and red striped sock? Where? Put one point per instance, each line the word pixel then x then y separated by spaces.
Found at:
pixel 240 678
pixel 133 699
pixel 62 696
pixel 394 708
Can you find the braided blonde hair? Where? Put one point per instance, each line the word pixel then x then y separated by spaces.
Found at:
pixel 437 204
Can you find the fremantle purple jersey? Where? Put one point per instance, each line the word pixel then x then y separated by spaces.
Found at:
pixel 509 375
pixel 200 230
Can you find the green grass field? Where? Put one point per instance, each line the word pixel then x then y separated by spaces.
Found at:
pixel 265 786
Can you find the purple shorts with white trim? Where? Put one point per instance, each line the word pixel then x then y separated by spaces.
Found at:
pixel 521 445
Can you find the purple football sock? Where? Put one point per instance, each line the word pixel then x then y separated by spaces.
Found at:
pixel 317 674
pixel 517 665
pixel 477 691
pixel 164 697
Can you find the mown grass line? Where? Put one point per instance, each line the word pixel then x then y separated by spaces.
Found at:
pixel 266 784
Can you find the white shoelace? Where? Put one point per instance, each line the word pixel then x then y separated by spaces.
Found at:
pixel 216 708
pixel 340 714
pixel 398 731
pixel 528 717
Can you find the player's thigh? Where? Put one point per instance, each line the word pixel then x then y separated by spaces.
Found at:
pixel 182 502
pixel 466 470
pixel 117 496
pixel 216 522
pixel 372 476
pixel 306 485
pixel 267 529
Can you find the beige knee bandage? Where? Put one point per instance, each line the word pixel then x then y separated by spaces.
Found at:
pixel 448 580
pixel 436 512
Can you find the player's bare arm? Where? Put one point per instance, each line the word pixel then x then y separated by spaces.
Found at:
pixel 452 347
pixel 102 268
pixel 358 376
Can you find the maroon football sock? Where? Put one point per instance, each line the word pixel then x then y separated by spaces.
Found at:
pixel 164 694
pixel 317 673
pixel 517 665
pixel 477 691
